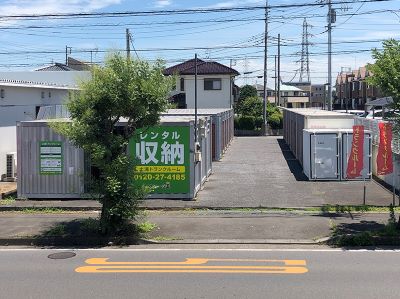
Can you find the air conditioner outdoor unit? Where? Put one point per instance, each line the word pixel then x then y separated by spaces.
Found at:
pixel 11 169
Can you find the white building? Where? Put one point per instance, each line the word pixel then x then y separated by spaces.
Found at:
pixel 23 93
pixel 214 84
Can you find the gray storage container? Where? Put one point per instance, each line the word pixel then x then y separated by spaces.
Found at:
pixel 222 127
pixel 50 167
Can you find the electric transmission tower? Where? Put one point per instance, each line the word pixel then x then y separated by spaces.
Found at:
pixel 305 55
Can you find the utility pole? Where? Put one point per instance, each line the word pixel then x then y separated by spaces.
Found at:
pixel 279 69
pixel 276 65
pixel 230 85
pixel 195 98
pixel 128 44
pixel 265 69
pixel 331 19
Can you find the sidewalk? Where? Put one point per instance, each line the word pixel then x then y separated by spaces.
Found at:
pixel 203 226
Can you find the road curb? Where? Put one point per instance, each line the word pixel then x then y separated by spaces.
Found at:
pixel 58 241
pixel 6 208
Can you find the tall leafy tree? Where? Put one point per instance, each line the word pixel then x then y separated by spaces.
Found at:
pixel 247 91
pixel 134 91
pixel 386 70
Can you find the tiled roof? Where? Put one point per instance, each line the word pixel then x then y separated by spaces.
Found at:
pixel 57 67
pixel 203 68
pixel 24 83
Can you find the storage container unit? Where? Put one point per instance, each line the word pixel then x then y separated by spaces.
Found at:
pixel 296 120
pixel 204 138
pixel 346 141
pixel 222 127
pixel 321 158
pixel 50 167
pixel 326 153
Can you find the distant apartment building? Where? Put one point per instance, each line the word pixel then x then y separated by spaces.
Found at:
pixel 353 91
pixel 318 96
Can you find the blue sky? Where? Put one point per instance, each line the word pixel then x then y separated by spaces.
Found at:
pixel 358 27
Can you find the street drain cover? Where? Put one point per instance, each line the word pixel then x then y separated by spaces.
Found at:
pixel 61 255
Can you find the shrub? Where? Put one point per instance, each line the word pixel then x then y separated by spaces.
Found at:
pixel 275 121
pixel 247 122
pixel 259 121
pixel 252 106
pixel 236 122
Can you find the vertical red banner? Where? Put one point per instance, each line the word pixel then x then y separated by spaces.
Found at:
pixel 355 164
pixel 384 160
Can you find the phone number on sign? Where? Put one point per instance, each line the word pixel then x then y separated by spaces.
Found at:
pixel 159 177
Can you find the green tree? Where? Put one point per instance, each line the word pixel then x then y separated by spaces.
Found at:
pixel 251 106
pixel 386 70
pixel 132 90
pixel 247 91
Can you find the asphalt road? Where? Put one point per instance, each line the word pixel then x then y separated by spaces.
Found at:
pixel 194 273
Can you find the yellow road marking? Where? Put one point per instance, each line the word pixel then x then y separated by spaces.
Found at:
pixel 193 261
pixel 193 265
pixel 282 270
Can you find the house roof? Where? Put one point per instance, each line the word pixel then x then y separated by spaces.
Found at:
pixel 72 65
pixel 56 67
pixel 23 83
pixel 203 68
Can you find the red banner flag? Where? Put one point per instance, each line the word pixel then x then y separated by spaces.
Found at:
pixel 355 163
pixel 384 160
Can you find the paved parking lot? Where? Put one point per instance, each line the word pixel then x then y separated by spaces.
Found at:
pixel 262 172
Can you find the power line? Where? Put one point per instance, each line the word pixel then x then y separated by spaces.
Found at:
pixel 172 12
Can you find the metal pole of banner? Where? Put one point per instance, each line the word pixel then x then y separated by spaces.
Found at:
pixel 394 180
pixel 364 193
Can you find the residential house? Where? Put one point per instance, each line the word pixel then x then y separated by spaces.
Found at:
pixel 303 95
pixel 23 93
pixel 215 87
pixel 291 96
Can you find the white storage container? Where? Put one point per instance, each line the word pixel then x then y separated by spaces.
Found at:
pixel 326 153
pixel 296 120
pixel 321 154
pixel 346 140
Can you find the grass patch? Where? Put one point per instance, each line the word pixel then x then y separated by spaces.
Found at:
pixel 366 233
pixel 146 227
pixel 165 238
pixel 44 211
pixel 7 201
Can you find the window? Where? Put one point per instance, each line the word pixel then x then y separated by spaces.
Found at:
pixel 285 93
pixel 37 109
pixel 2 93
pixel 42 94
pixel 49 94
pixel 182 84
pixel 212 84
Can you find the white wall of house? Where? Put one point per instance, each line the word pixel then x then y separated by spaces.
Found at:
pixel 18 103
pixel 220 98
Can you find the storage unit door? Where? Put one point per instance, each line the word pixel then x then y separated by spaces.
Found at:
pixel 346 150
pixel 324 156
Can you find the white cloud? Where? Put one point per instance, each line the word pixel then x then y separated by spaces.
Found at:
pixel 163 3
pixel 14 7
pixel 233 3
